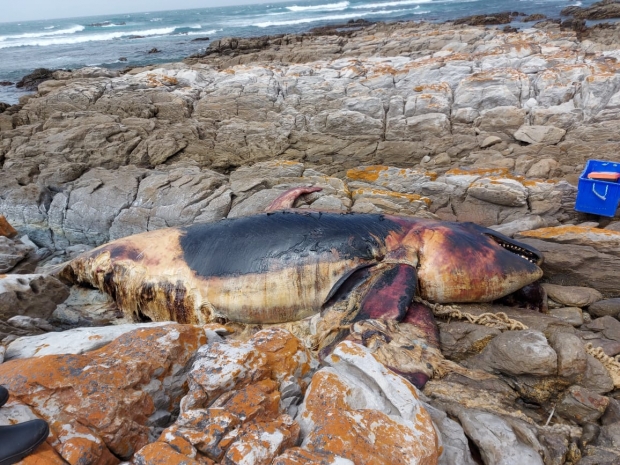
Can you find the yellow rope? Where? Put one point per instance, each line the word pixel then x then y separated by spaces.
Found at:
pixel 498 320
pixel 612 364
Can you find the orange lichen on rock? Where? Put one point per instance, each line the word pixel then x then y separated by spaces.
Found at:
pixel 558 231
pixel 362 435
pixel 178 443
pixel 161 80
pixel 299 456
pixel 479 172
pixel 259 443
pixel 256 400
pixel 433 87
pixel 367 173
pixel 602 240
pixel 204 429
pixel 285 353
pixel 6 229
pixel 534 182
pixel 160 453
pixel 84 450
pixel 372 174
pixel 234 412
pixel 43 455
pixel 396 195
pixel 97 403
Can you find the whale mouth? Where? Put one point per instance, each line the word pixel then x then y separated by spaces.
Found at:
pixel 523 251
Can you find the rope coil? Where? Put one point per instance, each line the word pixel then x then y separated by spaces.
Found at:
pixel 498 320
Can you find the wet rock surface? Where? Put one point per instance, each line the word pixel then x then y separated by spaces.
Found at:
pixel 605 9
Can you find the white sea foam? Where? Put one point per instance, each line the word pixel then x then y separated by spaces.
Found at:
pixel 49 27
pixel 45 41
pixel 325 7
pixel 202 33
pixel 325 18
pixel 156 19
pixel 397 3
pixel 27 35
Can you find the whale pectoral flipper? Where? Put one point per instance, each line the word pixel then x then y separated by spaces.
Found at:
pixel 420 316
pixel 390 293
pixel 383 292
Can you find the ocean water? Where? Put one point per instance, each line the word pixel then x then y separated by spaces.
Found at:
pixel 117 41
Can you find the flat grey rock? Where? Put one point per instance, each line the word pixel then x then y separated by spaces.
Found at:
pixel 73 341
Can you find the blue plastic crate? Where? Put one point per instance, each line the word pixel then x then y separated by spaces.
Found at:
pixel 596 196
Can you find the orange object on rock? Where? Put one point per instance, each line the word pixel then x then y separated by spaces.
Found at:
pixel 6 229
pixel 604 175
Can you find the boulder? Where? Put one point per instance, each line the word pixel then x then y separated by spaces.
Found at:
pixel 454 442
pixel 499 191
pixel 460 339
pixel 490 141
pixel 600 10
pixel 607 307
pixel 73 341
pixel 35 295
pixel 11 253
pixel 572 315
pixel 544 169
pixel 580 405
pixel 572 357
pixel 576 256
pixel 239 393
pixel 88 307
pixel 572 296
pixel 596 377
pixel 497 441
pixel 606 326
pixel 100 404
pixel 599 456
pixel 539 134
pixel 610 436
pixel 612 414
pixel 518 353
pixel 32 80
pixel 353 396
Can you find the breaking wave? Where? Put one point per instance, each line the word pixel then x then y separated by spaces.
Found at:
pixel 27 35
pixel 397 3
pixel 324 18
pixel 326 7
pixel 202 33
pixel 46 41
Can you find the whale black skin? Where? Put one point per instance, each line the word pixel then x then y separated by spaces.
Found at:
pixel 287 265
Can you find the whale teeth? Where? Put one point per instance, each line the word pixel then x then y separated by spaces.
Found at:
pixel 520 251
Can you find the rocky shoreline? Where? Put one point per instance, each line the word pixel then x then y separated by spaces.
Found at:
pixel 455 122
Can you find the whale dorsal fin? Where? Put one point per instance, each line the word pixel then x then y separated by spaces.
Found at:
pixel 287 199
